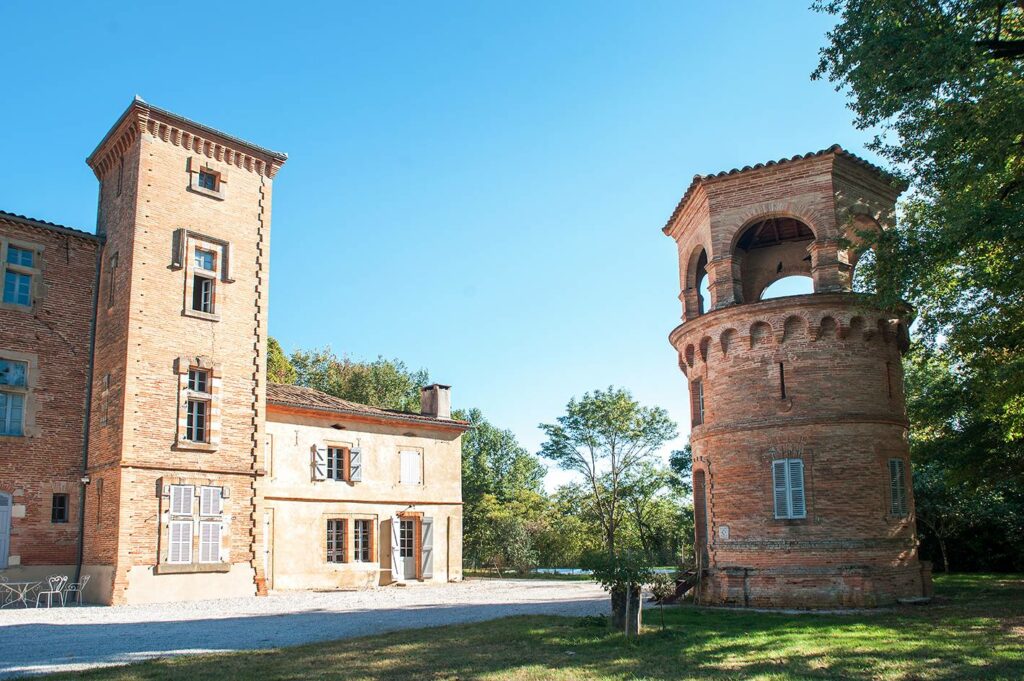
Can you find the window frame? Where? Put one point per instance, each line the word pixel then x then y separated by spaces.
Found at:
pixel 899 504
pixel 789 489
pixel 33 272
pixel 197 409
pixel 60 513
pixel 205 543
pixel 186 541
pixel 362 540
pixel 10 392
pixel 401 466
pixel 697 402
pixel 337 463
pixel 336 544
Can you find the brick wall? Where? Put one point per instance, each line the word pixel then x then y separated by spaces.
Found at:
pixel 55 333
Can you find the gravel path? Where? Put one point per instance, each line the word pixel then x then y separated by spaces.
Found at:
pixel 64 639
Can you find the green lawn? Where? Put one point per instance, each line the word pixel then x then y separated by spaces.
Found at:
pixel 973 630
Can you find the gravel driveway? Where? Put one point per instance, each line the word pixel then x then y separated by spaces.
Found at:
pixel 37 641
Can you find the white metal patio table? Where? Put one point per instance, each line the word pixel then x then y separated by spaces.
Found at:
pixel 12 593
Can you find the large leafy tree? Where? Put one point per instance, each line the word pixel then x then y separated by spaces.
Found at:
pixel 279 368
pixel 941 86
pixel 605 437
pixel 385 383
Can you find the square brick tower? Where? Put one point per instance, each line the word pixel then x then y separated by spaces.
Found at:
pixel 178 404
pixel 801 468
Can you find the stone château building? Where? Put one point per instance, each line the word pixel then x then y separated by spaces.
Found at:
pixel 140 443
pixel 801 468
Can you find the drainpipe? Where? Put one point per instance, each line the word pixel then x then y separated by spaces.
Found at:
pixel 88 413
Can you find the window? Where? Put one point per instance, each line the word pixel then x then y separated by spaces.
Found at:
pixel 410 468
pixel 205 260
pixel 361 541
pixel 897 488
pixel 180 541
pixel 782 380
pixel 335 541
pixel 209 541
pixel 197 415
pixel 407 539
pixel 199 380
pixel 210 501
pixel 337 463
pixel 697 402
pixel 13 389
pixel 111 280
pixel 59 509
pixel 208 180
pixel 18 268
pixel 788 483
pixel 202 294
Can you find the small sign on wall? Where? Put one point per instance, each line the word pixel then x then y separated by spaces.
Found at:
pixel 723 532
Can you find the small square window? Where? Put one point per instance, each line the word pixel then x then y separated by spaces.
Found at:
pixel 196 420
pixel 207 180
pixel 20 256
pixel 59 510
pixel 199 380
pixel 205 260
pixel 12 373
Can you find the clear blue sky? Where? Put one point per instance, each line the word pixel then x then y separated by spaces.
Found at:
pixel 475 188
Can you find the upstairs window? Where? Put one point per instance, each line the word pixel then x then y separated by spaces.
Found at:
pixel 207 180
pixel 197 411
pixel 59 509
pixel 19 266
pixel 410 468
pixel 199 380
pixel 205 260
pixel 13 390
pixel 788 484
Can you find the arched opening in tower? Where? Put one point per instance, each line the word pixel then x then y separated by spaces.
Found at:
pixel 703 289
pixel 770 250
pixel 795 285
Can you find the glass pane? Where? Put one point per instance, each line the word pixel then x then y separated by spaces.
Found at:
pixel 17 288
pixel 204 259
pixel 12 373
pixel 20 256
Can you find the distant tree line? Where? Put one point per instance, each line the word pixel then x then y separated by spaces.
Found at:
pixel 510 522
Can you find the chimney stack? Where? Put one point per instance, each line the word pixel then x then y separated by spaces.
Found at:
pixel 436 400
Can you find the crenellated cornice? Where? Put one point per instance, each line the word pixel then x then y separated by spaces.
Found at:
pixel 143 118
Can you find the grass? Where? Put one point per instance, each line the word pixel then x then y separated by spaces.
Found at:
pixel 974 629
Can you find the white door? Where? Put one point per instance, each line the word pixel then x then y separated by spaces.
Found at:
pixel 407 548
pixel 5 528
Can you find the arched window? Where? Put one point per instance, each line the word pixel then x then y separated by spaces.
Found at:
pixel 769 250
pixel 703 288
pixel 796 285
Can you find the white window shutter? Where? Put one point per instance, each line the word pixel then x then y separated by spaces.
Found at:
pixel 396 563
pixel 427 547
pixel 181 499
pixel 355 465
pixel 319 463
pixel 209 541
pixel 779 485
pixel 180 542
pixel 210 501
pixel 410 469
pixel 797 501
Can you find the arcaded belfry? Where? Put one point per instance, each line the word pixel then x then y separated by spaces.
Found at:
pixel 801 468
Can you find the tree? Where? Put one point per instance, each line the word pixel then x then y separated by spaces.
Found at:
pixel 644 492
pixel 605 436
pixel 384 383
pixel 942 83
pixel 279 369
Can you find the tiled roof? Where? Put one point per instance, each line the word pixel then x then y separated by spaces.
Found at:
pixel 308 398
pixel 834 149
pixel 32 222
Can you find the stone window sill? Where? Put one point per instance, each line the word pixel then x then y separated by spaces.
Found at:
pixel 190 568
pixel 212 193
pixel 189 446
pixel 16 307
pixel 209 316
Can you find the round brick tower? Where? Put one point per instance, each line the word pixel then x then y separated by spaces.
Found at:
pixel 801 466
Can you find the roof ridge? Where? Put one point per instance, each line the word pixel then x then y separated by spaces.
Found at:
pixel 45 224
pixel 358 407
pixel 834 149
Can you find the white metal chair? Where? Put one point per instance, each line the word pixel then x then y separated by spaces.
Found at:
pixel 57 584
pixel 74 590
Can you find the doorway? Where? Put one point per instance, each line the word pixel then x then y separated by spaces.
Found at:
pixel 407 548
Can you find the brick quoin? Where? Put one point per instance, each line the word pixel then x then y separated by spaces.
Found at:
pixel 815 378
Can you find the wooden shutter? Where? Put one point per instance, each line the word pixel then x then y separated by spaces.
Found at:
pixel 897 488
pixel 427 547
pixel 178 249
pixel 396 562
pixel 180 541
pixel 410 468
pixel 355 465
pixel 181 499
pixel 779 486
pixel 319 463
pixel 210 501
pixel 797 501
pixel 209 541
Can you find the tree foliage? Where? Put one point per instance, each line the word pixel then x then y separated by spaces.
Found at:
pixel 942 85
pixel 385 383
pixel 605 437
pixel 279 368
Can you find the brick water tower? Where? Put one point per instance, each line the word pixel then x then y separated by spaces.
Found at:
pixel 801 469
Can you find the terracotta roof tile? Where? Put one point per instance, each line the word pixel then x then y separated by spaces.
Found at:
pixel 834 149
pixel 309 398
pixel 43 224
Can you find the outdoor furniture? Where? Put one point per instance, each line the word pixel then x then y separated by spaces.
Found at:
pixel 74 590
pixel 13 593
pixel 57 584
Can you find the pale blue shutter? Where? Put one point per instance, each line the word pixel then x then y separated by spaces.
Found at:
pixel 319 463
pixel 779 485
pixel 797 502
pixel 427 547
pixel 355 465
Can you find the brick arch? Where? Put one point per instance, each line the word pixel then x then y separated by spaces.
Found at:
pixel 705 348
pixel 755 270
pixel 794 328
pixel 691 282
pixel 760 334
pixel 828 327
pixel 727 341
pixel 689 355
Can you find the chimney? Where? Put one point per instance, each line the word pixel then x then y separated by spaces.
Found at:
pixel 436 400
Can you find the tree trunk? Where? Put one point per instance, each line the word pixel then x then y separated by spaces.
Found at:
pixel 628 622
pixel 945 558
